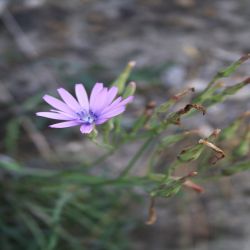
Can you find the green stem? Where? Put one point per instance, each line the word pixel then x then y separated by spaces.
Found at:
pixel 152 161
pixel 169 171
pixel 102 157
pixel 136 157
pixel 118 146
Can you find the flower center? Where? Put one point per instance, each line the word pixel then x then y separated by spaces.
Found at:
pixel 86 117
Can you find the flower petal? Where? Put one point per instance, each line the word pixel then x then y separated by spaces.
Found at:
pixel 86 128
pixel 111 95
pixel 120 106
pixel 112 105
pixel 95 91
pixel 55 116
pixel 69 99
pixel 113 113
pixel 127 100
pixel 101 121
pixel 57 104
pixel 71 116
pixel 117 104
pixel 100 102
pixel 64 124
pixel 82 96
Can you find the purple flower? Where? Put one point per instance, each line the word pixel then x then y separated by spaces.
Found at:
pixel 84 112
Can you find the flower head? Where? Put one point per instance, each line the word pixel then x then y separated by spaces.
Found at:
pixel 86 113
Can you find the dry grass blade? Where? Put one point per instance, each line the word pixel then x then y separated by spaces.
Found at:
pixel 176 117
pixel 219 153
pixel 178 96
pixel 152 216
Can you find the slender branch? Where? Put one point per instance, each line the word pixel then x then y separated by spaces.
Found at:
pixel 135 158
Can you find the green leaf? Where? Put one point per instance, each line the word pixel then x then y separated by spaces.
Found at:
pixel 210 89
pixel 230 131
pixel 216 98
pixel 207 94
pixel 193 153
pixel 167 189
pixel 229 70
pixel 56 217
pixel 172 139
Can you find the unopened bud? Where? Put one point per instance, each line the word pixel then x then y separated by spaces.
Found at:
pixel 130 90
pixel 132 63
pixel 120 82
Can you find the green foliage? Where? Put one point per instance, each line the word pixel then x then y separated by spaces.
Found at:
pixel 244 146
pixel 12 135
pixel 120 82
pixel 171 139
pixel 193 152
pixel 167 189
pixel 63 210
pixel 236 168
pixel 76 209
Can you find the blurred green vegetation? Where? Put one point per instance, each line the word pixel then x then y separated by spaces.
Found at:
pixel 44 209
pixel 69 207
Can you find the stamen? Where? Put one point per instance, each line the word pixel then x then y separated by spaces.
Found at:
pixel 86 117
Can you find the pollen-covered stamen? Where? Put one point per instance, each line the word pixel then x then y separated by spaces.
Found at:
pixel 86 117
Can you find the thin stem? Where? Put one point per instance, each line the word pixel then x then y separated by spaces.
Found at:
pixel 136 157
pixel 118 146
pixel 169 171
pixel 154 158
pixel 152 161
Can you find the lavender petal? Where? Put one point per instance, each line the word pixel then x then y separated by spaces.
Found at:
pixel 64 124
pixel 71 116
pixel 112 105
pixel 100 101
pixel 116 104
pixel 101 121
pixel 111 95
pixel 82 96
pixel 127 100
pixel 57 104
pixel 95 91
pixel 86 129
pixel 55 116
pixel 69 99
pixel 113 113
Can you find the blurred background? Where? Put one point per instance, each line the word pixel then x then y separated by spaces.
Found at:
pixel 45 44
